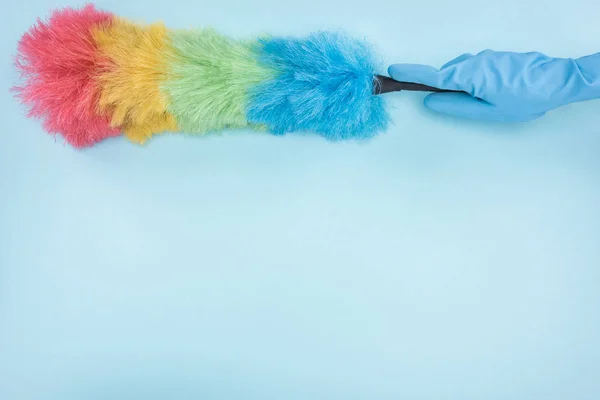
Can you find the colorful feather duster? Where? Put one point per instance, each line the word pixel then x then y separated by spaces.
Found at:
pixel 89 75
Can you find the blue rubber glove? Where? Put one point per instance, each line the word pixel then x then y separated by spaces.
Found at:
pixel 505 86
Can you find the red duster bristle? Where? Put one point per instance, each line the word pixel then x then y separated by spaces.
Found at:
pixel 59 62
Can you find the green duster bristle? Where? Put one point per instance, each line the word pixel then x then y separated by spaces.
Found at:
pixel 209 79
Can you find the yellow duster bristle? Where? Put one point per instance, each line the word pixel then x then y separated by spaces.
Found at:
pixel 136 67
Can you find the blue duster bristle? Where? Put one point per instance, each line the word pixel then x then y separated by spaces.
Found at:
pixel 324 85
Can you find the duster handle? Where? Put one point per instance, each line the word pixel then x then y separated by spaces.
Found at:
pixel 385 84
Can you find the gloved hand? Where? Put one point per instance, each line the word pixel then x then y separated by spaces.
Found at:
pixel 505 86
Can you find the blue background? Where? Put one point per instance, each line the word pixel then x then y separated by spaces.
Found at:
pixel 443 260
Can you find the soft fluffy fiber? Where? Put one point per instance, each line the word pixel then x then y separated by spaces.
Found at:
pixel 58 61
pixel 90 75
pixel 136 68
pixel 324 85
pixel 209 78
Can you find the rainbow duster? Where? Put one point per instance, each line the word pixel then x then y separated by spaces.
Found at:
pixel 89 75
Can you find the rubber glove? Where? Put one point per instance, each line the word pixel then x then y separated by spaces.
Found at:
pixel 505 86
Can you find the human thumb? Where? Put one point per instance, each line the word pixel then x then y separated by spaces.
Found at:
pixel 463 105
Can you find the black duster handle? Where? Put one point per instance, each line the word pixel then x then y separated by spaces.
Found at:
pixel 385 84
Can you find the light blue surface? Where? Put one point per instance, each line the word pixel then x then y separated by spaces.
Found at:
pixel 442 260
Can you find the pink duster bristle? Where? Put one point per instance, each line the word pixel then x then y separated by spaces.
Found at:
pixel 59 62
